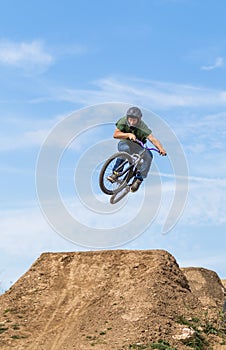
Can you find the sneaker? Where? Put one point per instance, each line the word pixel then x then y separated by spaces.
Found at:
pixel 135 185
pixel 113 177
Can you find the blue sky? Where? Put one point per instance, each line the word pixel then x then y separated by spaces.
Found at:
pixel 168 57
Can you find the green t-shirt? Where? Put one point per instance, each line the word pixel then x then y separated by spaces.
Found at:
pixel 141 130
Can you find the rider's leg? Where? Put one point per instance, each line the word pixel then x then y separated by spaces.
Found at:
pixel 146 164
pixel 117 164
pixel 131 147
pixel 123 146
pixel 142 171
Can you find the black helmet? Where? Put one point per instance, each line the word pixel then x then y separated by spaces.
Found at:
pixel 134 112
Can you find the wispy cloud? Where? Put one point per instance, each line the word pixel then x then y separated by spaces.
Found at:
pixel 15 224
pixel 219 62
pixel 21 133
pixel 192 128
pixel 23 240
pixel 23 139
pixel 202 131
pixel 24 55
pixel 149 93
pixel 205 205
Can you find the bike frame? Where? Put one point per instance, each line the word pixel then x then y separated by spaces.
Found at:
pixel 137 157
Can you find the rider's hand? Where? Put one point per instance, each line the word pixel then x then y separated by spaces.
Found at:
pixel 162 152
pixel 132 137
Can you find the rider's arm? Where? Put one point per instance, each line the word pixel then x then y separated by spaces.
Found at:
pixel 157 144
pixel 123 135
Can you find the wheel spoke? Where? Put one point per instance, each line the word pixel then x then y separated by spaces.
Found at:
pixel 108 168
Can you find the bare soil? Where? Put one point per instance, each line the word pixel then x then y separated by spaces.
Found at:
pixel 112 300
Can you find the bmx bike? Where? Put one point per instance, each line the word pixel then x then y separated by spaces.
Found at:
pixel 126 171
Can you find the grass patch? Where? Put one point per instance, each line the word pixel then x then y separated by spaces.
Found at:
pixel 15 326
pixel 6 311
pixel 15 336
pixel 161 345
pixel 3 329
pixel 102 333
pixel 199 342
pixel 91 337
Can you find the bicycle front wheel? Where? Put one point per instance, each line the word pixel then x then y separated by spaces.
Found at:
pixel 124 171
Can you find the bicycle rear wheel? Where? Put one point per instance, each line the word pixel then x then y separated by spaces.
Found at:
pixel 124 171
pixel 116 197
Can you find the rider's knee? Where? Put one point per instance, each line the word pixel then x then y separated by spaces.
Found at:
pixel 123 147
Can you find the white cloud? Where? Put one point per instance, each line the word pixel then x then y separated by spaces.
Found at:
pixel 206 203
pixel 33 55
pixel 25 55
pixel 217 260
pixel 219 62
pixel 150 94
pixel 25 232
pixel 24 236
pixel 203 139
pixel 24 140
pixel 202 132
pixel 21 133
pixel 154 95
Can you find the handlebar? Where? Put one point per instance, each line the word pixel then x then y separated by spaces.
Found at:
pixel 144 146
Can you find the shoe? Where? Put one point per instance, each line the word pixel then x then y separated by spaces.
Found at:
pixel 113 177
pixel 135 185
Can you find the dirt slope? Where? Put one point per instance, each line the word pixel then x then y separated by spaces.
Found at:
pixel 108 300
pixel 206 285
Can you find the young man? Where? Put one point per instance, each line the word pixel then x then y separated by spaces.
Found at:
pixel 128 129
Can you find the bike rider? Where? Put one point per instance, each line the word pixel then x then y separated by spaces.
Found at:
pixel 129 128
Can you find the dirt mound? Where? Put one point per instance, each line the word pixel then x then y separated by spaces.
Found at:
pixel 206 286
pixel 104 300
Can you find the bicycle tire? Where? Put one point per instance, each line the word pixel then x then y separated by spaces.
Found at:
pixel 116 197
pixel 106 186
